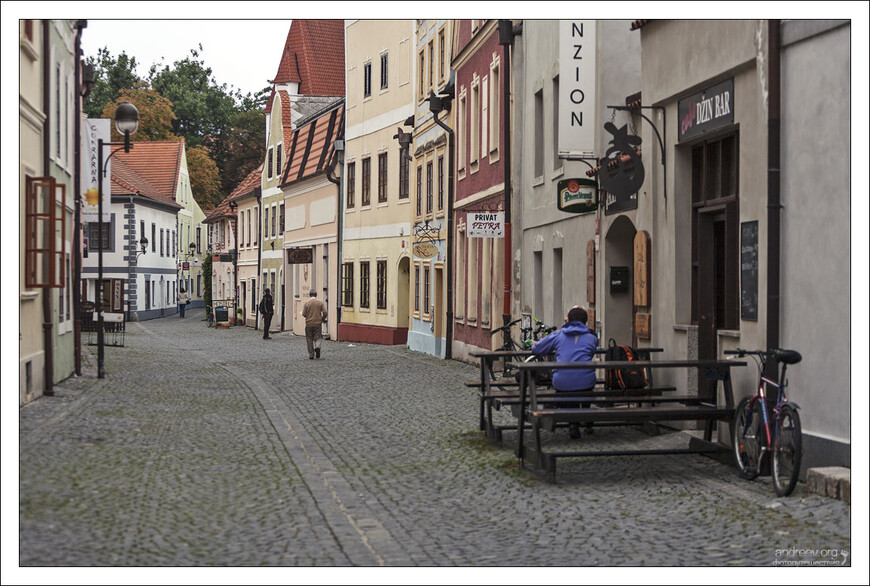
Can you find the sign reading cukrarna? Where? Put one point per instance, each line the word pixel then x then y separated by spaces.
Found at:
pixel 707 110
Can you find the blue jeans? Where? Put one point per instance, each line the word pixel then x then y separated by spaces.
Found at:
pixel 181 307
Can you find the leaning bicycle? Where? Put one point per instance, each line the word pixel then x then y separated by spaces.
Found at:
pixel 759 429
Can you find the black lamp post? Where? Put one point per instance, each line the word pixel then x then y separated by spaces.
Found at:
pixel 143 244
pixel 191 251
pixel 126 121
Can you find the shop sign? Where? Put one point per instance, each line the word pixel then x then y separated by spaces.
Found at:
pixel 425 250
pixel 577 196
pixel 486 224
pixel 707 110
pixel 577 104
pixel 298 256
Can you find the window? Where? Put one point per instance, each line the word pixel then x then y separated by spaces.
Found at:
pixel 429 194
pixel 382 177
pixel 557 162
pixel 253 295
pixel 442 57
pixel 474 130
pixel 404 171
pixel 716 232
pixel 494 102
pixel 367 181
pixel 420 78
pixel 459 283
pixel 486 268
pixel 278 156
pixel 153 237
pixel 174 244
pixel 416 288
pixel 274 220
pixel 382 284
pixel 249 227
pixel 539 134
pixel 367 79
pixel 364 285
pixel 58 101
pixel 441 183
pixel 258 233
pixel 426 299
pixel 161 241
pixel 351 184
pixel 431 64
pixel 281 224
pixel 269 160
pixel 199 239
pixel 419 190
pixel 473 280
pixel 266 220
pixel 347 284
pixel 461 132
pixel 45 233
pixel 384 71
pixel 28 30
pixel 93 233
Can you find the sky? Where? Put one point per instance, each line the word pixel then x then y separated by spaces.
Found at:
pixel 241 53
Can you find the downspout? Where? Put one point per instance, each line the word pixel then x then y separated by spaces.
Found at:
pixel 337 181
pixel 259 193
pixel 448 329
pixel 774 199
pixel 47 292
pixel 506 38
pixel 77 189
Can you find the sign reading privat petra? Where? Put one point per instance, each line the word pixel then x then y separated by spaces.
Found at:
pixel 486 224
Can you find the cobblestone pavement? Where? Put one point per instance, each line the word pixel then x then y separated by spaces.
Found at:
pixel 214 447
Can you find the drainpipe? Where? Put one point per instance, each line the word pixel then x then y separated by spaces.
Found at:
pixel 448 330
pixel 259 193
pixel 774 200
pixel 77 189
pixel 47 293
pixel 506 39
pixel 339 162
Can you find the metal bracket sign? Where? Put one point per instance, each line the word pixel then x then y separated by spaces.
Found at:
pixel 486 224
pixel 298 256
pixel 577 196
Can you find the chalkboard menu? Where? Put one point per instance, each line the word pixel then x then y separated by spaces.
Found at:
pixel 749 270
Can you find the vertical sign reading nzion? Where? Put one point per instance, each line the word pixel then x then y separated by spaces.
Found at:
pixel 577 88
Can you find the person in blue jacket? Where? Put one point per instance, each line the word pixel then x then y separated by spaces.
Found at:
pixel 573 343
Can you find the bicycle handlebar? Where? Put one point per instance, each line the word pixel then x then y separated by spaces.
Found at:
pixel 505 327
pixel 779 354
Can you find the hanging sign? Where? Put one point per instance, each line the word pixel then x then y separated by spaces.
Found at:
pixel 95 129
pixel 298 256
pixel 486 224
pixel 707 110
pixel 577 61
pixel 578 196
pixel 425 250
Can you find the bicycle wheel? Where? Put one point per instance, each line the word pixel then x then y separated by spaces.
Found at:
pixel 787 451
pixel 746 438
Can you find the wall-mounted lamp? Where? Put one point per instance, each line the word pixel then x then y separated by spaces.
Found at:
pixel 143 244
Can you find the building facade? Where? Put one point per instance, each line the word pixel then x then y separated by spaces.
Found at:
pixel 376 225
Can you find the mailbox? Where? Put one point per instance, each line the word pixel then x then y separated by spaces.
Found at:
pixel 619 279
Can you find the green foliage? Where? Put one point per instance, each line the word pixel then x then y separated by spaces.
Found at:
pixel 243 148
pixel 111 75
pixel 206 280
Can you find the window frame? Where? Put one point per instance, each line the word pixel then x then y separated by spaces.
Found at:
pixel 365 270
pixel 366 199
pixel 382 284
pixel 351 185
pixel 385 71
pixel 367 80
pixel 382 177
pixel 347 284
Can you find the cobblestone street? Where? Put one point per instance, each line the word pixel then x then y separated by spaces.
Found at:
pixel 214 447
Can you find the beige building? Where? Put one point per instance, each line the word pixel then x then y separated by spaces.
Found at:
pixel 376 247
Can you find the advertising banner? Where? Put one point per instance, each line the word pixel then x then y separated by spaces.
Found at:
pixel 577 56
pixel 93 130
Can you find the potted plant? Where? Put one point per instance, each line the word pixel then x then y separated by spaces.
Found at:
pixel 240 316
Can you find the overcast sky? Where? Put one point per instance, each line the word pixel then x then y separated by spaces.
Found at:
pixel 241 53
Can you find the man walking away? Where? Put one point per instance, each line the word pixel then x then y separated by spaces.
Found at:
pixel 266 310
pixel 314 313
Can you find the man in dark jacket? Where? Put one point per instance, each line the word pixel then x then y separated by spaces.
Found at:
pixel 266 310
pixel 573 343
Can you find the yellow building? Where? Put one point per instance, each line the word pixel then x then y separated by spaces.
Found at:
pixel 376 259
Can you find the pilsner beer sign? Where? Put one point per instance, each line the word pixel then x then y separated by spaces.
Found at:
pixel 578 196
pixel 486 224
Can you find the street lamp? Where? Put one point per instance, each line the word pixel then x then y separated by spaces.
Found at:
pixel 127 122
pixel 143 245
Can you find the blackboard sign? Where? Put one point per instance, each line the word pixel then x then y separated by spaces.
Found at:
pixel 222 315
pixel 749 270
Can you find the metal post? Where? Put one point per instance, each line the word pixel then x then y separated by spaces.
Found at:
pixel 99 293
pixel 507 35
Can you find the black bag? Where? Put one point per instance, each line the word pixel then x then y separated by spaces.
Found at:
pixel 623 378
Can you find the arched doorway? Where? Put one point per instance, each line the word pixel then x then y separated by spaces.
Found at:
pixel 403 315
pixel 619 282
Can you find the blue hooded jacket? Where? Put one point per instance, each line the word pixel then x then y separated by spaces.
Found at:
pixel 573 343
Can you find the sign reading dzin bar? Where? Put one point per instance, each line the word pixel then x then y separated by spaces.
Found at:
pixel 577 88
pixel 707 110
pixel 486 224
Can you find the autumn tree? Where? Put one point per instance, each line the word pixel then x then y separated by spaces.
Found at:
pixel 155 113
pixel 204 177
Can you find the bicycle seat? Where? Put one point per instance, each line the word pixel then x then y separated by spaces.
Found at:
pixel 788 356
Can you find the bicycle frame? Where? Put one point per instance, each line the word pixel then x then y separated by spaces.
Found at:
pixel 781 399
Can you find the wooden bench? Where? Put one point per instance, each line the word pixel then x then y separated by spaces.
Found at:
pixel 495 393
pixel 540 413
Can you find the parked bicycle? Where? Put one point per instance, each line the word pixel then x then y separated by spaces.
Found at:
pixel 528 334
pixel 754 435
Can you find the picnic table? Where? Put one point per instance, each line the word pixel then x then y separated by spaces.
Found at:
pixel 541 412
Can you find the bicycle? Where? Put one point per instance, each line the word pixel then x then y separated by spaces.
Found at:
pixel 529 335
pixel 752 438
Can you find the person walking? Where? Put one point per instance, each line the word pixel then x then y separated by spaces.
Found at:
pixel 266 310
pixel 314 313
pixel 183 300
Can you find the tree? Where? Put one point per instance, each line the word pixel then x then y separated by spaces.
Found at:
pixel 111 75
pixel 204 177
pixel 155 113
pixel 243 149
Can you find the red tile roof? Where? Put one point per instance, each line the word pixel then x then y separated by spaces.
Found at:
pixel 245 187
pixel 312 149
pixel 157 162
pixel 313 57
pixel 125 181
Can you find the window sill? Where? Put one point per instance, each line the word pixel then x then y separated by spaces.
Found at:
pixel 538 181
pixel 29 295
pixel 558 172
pixel 685 328
pixel 728 333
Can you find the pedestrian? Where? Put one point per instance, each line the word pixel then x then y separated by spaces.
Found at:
pixel 574 342
pixel 183 300
pixel 314 313
pixel 266 310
